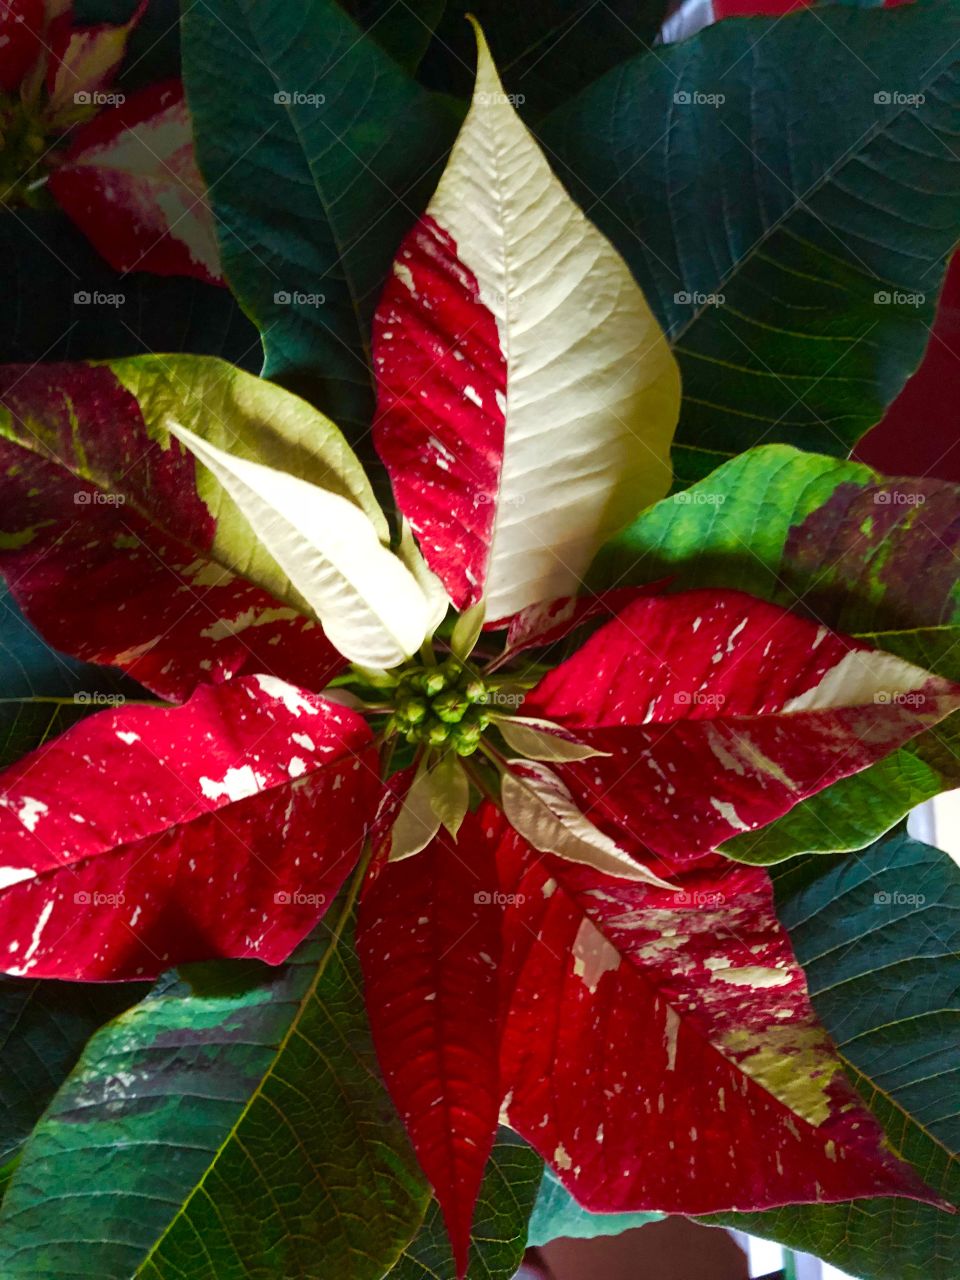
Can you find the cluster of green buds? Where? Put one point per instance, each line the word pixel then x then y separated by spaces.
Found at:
pixel 22 141
pixel 441 707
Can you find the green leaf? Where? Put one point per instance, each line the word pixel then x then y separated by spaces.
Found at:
pixel 833 540
pixel 314 194
pixel 556 1214
pixel 506 1200
pixel 43 692
pixel 768 221
pixel 547 50
pixel 404 31
pixel 879 938
pixel 45 262
pixel 235 1129
pixel 43 1029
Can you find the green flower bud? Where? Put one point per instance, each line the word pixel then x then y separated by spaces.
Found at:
pixel 437 735
pixel 432 683
pixel 466 738
pixel 475 691
pixel 450 706
pixel 412 711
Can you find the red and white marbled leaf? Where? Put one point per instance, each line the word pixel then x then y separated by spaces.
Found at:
pixel 660 1050
pixel 129 180
pixel 553 620
pixel 428 937
pixel 527 396
pixel 127 571
pixel 147 837
pixel 719 713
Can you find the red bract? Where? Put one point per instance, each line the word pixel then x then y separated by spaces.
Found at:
pixel 146 837
pixel 429 945
pixel 716 713
pixel 130 182
pixel 660 1049
pixel 547 923
pixel 21 27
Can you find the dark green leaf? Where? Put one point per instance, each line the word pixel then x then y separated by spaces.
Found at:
pixel 319 152
pixel 791 240
pixel 45 263
pixel 403 30
pixel 43 692
pixel 546 50
pixel 831 539
pixel 43 1029
pixel 506 1200
pixel 879 937
pixel 234 1130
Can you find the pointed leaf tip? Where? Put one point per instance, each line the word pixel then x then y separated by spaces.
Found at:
pixel 371 606
pixel 494 382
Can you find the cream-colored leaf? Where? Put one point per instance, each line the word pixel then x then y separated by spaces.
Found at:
pixel 593 391
pixel 542 739
pixel 368 602
pixel 251 418
pixel 429 583
pixel 540 807
pixel 417 822
pixel 450 794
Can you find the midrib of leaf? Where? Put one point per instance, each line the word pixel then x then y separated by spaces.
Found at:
pixel 342 920
pixel 875 131
pixel 505 341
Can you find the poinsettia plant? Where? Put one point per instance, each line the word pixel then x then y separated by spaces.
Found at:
pixel 419 848
pixel 121 167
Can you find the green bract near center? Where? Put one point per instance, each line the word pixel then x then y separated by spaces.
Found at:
pixel 440 706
